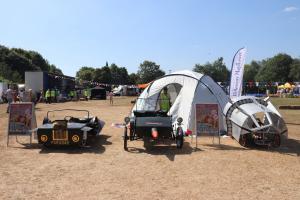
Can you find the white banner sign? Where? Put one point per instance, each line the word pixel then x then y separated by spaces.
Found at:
pixel 237 72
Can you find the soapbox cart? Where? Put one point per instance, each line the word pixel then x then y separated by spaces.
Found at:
pixel 70 130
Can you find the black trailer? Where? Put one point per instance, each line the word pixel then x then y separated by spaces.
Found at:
pixel 98 93
pixel 69 130
pixel 152 126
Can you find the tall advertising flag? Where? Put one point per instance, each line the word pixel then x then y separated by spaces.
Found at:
pixel 237 72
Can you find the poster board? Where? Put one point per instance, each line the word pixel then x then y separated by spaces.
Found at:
pixel 207 120
pixel 21 120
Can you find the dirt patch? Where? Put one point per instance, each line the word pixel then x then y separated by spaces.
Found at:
pixel 106 171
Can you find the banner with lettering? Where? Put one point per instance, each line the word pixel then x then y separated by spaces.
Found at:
pixel 237 73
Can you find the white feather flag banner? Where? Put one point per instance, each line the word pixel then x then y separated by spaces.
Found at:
pixel 237 72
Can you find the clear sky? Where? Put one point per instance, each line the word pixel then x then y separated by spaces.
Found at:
pixel 176 34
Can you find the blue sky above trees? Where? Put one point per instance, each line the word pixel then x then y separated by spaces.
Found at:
pixel 175 34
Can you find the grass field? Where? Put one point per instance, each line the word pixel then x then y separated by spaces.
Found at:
pixel 290 116
pixel 285 101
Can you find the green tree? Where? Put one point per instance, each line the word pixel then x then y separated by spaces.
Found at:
pixel 275 69
pixel 115 76
pixel 133 79
pixel 15 61
pixel 216 70
pixel 251 70
pixel 8 75
pixel 124 77
pixel 102 75
pixel 53 69
pixel 294 74
pixel 85 73
pixel 149 71
pixel 119 75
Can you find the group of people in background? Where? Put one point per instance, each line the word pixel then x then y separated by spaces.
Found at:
pixel 54 95
pixel 50 96
pixel 47 96
pixel 13 95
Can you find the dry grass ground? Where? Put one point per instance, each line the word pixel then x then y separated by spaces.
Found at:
pixel 106 171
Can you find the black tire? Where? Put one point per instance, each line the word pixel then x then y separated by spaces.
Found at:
pixel 179 138
pixel 244 140
pixel 276 141
pixel 131 133
pixel 47 145
pixel 147 143
pixel 125 139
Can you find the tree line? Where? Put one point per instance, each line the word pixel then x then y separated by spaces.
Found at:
pixel 15 61
pixel 279 68
pixel 115 75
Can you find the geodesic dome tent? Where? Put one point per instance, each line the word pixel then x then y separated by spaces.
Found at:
pixel 186 89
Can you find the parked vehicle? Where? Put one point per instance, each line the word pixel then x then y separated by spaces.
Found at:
pixel 69 130
pixel 152 126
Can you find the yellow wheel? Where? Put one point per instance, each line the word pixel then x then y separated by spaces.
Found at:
pixel 44 138
pixel 75 138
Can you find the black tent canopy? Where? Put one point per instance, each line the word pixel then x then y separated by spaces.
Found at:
pixel 98 93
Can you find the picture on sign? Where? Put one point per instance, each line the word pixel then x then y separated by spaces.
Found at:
pixel 21 118
pixel 207 119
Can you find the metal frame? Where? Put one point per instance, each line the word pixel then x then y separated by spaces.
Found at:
pixel 50 111
pixel 196 133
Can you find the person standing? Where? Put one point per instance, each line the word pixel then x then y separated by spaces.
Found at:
pixel 3 97
pixel 57 95
pixel 71 95
pixel 111 100
pixel 48 96
pixel 15 95
pixel 9 97
pixel 21 95
pixel 164 100
pixel 52 94
pixel 31 96
pixel 85 93
pixel 40 96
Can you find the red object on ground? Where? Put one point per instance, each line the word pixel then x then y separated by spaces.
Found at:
pixel 188 132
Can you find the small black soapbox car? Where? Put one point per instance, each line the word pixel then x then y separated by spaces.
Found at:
pixel 69 130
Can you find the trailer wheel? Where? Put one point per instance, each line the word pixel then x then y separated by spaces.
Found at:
pixel 276 141
pixel 125 139
pixel 131 133
pixel 244 140
pixel 46 145
pixel 179 138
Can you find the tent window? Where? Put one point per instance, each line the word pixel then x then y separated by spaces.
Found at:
pixel 173 91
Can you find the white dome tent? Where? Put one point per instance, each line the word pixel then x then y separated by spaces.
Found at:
pixel 238 117
pixel 186 89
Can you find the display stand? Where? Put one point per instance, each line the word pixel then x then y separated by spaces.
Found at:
pixel 207 121
pixel 21 120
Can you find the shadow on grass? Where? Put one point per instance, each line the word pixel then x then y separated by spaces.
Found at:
pixel 168 149
pixel 95 145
